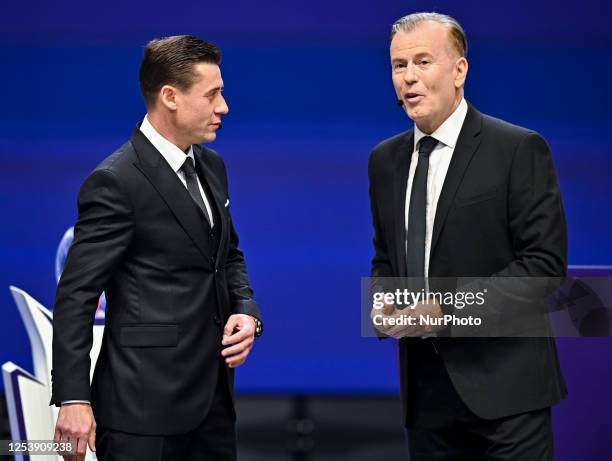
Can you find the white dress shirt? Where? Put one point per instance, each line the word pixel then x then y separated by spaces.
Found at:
pixel 439 160
pixel 175 158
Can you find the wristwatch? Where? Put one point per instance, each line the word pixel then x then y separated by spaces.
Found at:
pixel 258 327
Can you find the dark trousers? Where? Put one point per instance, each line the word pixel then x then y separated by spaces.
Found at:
pixel 444 428
pixel 214 439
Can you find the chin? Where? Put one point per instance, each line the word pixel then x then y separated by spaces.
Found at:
pixel 419 116
pixel 210 137
pixel 414 115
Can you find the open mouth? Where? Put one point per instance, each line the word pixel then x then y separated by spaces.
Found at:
pixel 413 98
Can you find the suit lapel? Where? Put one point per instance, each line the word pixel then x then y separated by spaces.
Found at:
pixel 400 181
pixel 467 144
pixel 218 197
pixel 169 187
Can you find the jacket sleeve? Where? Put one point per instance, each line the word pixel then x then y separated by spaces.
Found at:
pixel 536 216
pixel 380 265
pixel 240 291
pixel 537 228
pixel 102 235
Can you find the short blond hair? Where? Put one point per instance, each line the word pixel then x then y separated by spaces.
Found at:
pixel 457 34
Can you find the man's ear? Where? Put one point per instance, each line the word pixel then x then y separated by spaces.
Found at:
pixel 167 97
pixel 461 70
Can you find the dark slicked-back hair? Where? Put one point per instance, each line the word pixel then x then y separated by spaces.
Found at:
pixel 171 61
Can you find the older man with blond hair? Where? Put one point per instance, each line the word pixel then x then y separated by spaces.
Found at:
pixel 463 194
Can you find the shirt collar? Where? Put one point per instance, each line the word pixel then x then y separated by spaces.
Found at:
pixel 448 132
pixel 173 155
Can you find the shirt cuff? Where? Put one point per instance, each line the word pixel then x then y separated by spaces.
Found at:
pixel 64 402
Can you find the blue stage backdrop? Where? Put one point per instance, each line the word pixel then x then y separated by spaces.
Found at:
pixel 309 90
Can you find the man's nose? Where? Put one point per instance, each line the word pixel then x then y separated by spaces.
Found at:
pixel 222 108
pixel 410 76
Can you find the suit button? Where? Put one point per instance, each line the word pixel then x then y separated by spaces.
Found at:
pixel 212 260
pixel 216 319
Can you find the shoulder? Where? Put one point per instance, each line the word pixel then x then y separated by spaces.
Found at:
pixel 506 132
pixel 119 162
pixel 115 172
pixel 510 140
pixel 391 144
pixel 386 150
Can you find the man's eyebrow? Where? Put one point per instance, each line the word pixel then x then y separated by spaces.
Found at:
pixel 423 54
pixel 215 89
pixel 418 55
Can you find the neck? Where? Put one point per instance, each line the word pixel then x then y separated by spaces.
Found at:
pixel 429 128
pixel 166 128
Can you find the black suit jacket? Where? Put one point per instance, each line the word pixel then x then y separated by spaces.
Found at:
pixel 141 239
pixel 499 215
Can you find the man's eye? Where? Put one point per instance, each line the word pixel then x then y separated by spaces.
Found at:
pixel 211 96
pixel 399 65
pixel 424 62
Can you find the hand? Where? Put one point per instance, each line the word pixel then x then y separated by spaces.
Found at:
pixel 387 311
pixel 76 424
pixel 238 344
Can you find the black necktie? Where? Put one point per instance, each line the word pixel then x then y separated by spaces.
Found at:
pixel 415 239
pixel 191 178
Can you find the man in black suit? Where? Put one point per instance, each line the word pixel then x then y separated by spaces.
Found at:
pixel 465 195
pixel 154 232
